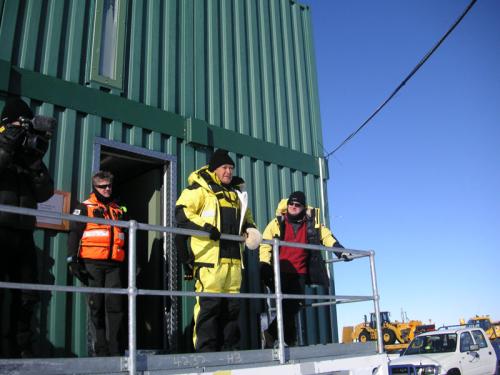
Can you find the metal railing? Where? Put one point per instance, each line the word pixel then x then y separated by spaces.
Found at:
pixel 132 292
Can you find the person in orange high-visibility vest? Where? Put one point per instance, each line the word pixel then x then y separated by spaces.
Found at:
pixel 96 253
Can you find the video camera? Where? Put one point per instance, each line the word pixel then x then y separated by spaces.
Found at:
pixel 39 130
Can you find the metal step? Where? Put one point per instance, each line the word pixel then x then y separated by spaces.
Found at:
pixel 303 357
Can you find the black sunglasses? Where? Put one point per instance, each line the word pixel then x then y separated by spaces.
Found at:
pixel 295 204
pixel 104 186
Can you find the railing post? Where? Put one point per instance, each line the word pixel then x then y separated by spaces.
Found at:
pixel 279 300
pixel 380 341
pixel 132 295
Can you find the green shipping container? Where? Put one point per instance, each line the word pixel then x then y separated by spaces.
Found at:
pixel 148 89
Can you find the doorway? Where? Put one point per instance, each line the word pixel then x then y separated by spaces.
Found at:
pixel 145 183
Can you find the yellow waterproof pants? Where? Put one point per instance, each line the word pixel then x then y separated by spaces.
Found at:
pixel 216 318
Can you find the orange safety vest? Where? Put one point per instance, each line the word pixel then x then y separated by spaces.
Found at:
pixel 100 241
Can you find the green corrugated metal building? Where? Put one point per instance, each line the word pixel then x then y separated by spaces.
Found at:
pixel 149 89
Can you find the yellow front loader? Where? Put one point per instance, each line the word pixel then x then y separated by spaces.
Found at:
pixel 392 332
pixel 491 328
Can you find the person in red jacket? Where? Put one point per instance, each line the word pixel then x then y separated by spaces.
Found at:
pixel 96 253
pixel 295 222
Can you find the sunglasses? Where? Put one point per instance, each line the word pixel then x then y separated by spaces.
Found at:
pixel 295 204
pixel 104 186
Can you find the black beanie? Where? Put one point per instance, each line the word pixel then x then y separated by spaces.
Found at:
pixel 220 157
pixel 297 196
pixel 15 108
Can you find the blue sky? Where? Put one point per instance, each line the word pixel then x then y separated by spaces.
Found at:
pixel 420 184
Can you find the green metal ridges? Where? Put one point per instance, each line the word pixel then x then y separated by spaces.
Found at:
pixel 92 101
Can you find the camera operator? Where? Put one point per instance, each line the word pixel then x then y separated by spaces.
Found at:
pixel 24 181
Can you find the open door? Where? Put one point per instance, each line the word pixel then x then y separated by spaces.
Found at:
pixel 145 183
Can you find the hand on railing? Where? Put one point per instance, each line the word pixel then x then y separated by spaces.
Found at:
pixel 347 257
pixel 213 232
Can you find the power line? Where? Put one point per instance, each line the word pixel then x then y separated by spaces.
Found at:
pixel 408 77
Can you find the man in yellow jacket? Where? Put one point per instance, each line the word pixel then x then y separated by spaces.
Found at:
pixel 215 202
pixel 295 222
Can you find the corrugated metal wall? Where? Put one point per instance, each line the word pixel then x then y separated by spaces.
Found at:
pixel 246 66
pixel 243 65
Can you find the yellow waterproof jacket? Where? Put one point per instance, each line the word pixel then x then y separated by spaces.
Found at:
pixel 273 229
pixel 198 205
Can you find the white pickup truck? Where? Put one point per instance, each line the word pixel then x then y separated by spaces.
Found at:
pixel 452 351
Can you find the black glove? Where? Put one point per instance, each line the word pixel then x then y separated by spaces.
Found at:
pixel 77 269
pixel 184 253
pixel 214 233
pixel 99 212
pixel 345 256
pixel 188 271
pixel 267 275
pixel 11 137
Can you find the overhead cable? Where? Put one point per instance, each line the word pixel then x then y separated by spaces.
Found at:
pixel 408 77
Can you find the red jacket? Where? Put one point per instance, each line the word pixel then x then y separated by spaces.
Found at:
pixel 294 259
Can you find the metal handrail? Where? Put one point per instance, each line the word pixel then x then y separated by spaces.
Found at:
pixel 133 292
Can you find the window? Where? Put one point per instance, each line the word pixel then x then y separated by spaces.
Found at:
pixel 441 343
pixel 465 341
pixel 485 324
pixel 108 43
pixel 479 337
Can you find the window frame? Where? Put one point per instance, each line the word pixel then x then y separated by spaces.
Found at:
pixel 110 82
